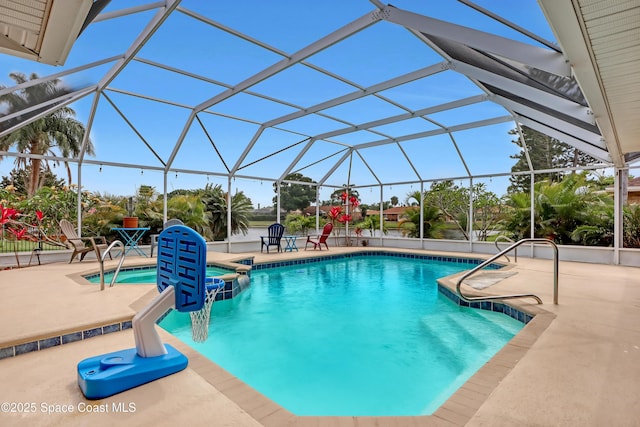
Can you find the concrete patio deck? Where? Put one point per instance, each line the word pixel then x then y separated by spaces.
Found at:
pixel 577 363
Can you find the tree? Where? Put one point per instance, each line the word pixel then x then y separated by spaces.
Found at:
pixel 432 224
pixel 217 204
pixel 394 201
pixel 295 196
pixel 57 130
pixel 453 201
pixel 545 152
pixel 488 211
pixel 20 178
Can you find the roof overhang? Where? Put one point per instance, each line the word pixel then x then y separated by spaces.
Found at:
pixel 42 31
pixel 601 41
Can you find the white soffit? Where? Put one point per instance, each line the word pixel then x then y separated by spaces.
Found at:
pixel 601 38
pixel 41 30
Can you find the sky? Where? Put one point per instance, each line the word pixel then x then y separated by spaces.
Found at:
pixel 217 139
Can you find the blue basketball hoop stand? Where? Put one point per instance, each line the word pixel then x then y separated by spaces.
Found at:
pixel 182 264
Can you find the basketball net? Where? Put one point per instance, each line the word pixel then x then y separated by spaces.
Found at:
pixel 200 318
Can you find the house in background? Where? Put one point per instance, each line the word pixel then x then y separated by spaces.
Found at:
pixel 311 210
pixel 633 191
pixel 391 214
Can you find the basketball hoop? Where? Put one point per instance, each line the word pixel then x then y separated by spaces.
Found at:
pixel 200 318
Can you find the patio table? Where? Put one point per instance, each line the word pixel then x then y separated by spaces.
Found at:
pixel 291 243
pixel 131 237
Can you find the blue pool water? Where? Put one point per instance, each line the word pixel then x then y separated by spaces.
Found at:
pixel 358 336
pixel 146 275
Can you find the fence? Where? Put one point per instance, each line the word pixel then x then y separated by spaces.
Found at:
pixel 10 245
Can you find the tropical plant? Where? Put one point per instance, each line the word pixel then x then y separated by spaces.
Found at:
pixel 337 195
pixel 216 204
pixel 432 222
pixel 372 223
pixel 631 227
pixel 517 222
pixel 56 204
pixel 40 137
pixel 334 214
pixel 566 212
pixel 101 214
pixel 191 209
pixel 414 198
pixel 299 223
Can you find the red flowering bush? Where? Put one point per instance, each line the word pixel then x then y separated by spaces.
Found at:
pixel 343 215
pixel 18 224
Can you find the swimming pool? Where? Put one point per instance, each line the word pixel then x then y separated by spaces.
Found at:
pixel 355 336
pixel 146 274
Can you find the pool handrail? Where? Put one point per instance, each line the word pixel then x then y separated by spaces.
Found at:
pixel 498 255
pixel 503 237
pixel 104 255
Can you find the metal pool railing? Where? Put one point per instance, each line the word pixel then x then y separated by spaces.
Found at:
pixel 102 258
pixel 502 253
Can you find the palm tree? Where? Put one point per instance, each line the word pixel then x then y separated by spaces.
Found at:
pixel 192 211
pixel 216 202
pixel 432 222
pixel 414 198
pixel 372 223
pixel 299 223
pixel 57 130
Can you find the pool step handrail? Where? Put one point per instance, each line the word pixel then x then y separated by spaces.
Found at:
pixel 102 258
pixel 505 238
pixel 498 255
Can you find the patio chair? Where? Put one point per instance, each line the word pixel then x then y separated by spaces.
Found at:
pixel 79 244
pixel 276 231
pixel 154 237
pixel 318 241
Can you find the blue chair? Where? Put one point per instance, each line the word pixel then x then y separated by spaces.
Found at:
pixel 273 239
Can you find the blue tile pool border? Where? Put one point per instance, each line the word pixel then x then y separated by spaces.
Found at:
pixel 54 341
pixel 285 263
pixel 498 307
